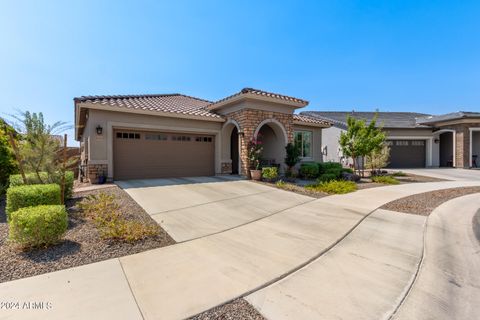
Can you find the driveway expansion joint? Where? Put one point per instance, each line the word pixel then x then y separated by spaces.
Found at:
pixel 130 288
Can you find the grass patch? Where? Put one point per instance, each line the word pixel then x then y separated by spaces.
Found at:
pixel 385 180
pixel 334 187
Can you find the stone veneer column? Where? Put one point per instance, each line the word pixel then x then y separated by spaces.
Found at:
pixel 249 120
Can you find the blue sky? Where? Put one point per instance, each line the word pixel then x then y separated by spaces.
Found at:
pixel 405 55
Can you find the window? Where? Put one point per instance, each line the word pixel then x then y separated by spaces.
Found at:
pixel 204 139
pixel 419 143
pixel 304 140
pixel 181 138
pixel 128 135
pixel 151 136
pixel 402 143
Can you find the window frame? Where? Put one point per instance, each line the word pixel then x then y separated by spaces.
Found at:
pixel 302 133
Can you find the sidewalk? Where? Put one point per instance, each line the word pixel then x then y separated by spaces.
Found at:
pixel 185 279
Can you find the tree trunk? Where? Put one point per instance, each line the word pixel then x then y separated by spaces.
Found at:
pixel 64 167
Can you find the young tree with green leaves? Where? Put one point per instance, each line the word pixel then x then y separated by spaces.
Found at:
pixel 8 164
pixel 360 139
pixel 292 157
pixel 38 147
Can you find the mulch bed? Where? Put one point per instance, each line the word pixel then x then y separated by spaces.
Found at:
pixel 238 309
pixel 424 203
pixel 81 245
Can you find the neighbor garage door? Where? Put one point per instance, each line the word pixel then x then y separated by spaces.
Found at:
pixel 144 155
pixel 407 153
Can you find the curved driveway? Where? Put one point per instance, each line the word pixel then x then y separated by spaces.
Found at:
pixel 448 284
pixel 185 279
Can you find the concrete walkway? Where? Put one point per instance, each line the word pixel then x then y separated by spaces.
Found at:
pixel 448 284
pixel 363 277
pixel 185 279
pixel 190 208
pixel 446 173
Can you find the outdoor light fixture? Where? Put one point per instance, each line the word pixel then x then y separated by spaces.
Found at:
pixel 436 141
pixel 240 132
pixel 99 130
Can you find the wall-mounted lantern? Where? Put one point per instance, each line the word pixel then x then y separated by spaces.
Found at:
pixel 437 141
pixel 99 130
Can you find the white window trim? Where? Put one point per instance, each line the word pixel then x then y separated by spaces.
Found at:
pixel 309 158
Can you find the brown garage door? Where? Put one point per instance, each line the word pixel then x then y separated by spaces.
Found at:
pixel 407 153
pixel 144 155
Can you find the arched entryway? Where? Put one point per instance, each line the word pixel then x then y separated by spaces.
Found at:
pixel 231 160
pixel 234 151
pixel 274 138
pixel 447 152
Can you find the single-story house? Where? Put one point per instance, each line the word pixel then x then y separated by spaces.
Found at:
pixel 416 140
pixel 174 135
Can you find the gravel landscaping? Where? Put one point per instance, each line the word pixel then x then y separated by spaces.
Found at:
pixel 425 203
pixel 82 243
pixel 238 309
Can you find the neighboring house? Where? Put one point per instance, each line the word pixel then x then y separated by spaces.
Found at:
pixel 416 140
pixel 174 135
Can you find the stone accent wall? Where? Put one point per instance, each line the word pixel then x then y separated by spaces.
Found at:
pixel 249 120
pixel 462 143
pixel 95 170
pixel 226 167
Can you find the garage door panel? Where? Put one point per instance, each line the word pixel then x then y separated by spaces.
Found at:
pixel 407 153
pixel 162 155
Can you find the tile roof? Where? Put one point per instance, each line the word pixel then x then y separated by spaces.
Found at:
pixel 387 119
pixel 448 116
pixel 311 120
pixel 261 93
pixel 168 103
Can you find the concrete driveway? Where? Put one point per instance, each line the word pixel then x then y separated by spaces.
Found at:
pixel 446 173
pixel 189 208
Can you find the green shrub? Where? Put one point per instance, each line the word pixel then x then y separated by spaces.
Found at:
pixel 399 174
pixel 32 178
pixel 332 168
pixel 111 224
pixel 385 180
pixel 347 170
pixel 32 195
pixel 309 170
pixel 334 187
pixel 280 183
pixel 327 177
pixel 270 173
pixel 38 226
pixel 324 167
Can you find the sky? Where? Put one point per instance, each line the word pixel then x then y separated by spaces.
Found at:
pixel 421 56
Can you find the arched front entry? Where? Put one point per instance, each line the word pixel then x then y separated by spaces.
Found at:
pixel 231 160
pixel 274 138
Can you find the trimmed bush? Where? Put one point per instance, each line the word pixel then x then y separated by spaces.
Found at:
pixel 331 168
pixel 270 173
pixel 347 170
pixel 32 178
pixel 334 187
pixel 327 177
pixel 38 226
pixel 385 180
pixel 309 170
pixel 32 195
pixel 399 174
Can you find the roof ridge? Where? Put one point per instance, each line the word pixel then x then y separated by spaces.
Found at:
pixel 123 96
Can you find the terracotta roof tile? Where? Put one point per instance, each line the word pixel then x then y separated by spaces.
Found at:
pixel 261 93
pixel 169 103
pixel 307 119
